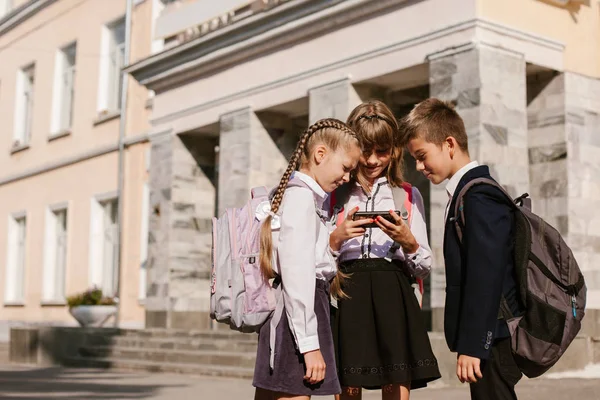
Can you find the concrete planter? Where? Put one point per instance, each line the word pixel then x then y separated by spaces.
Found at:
pixel 94 316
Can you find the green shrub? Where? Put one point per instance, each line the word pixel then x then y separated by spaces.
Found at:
pixel 91 297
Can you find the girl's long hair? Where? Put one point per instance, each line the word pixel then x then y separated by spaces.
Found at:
pixel 330 132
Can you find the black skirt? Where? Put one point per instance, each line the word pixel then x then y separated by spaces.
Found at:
pixel 287 375
pixel 379 332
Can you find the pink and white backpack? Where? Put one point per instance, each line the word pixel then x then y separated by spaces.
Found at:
pixel 239 294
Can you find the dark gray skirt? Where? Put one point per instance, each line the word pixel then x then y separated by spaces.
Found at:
pixel 287 376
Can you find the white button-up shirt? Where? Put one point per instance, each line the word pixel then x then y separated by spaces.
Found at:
pixel 453 183
pixel 303 254
pixel 375 243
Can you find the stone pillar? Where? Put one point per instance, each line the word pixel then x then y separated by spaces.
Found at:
pixel 488 86
pixel 332 100
pixel 582 103
pixel 248 157
pixel 548 163
pixel 182 203
pixel 564 149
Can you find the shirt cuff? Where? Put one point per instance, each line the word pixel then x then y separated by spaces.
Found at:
pixel 334 253
pixel 416 257
pixel 308 344
pixel 418 264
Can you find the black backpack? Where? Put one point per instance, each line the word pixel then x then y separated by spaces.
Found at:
pixel 551 286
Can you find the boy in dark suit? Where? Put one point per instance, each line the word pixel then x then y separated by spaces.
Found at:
pixel 481 269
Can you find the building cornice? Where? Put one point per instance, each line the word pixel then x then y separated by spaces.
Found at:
pixel 469 25
pixel 280 28
pixel 22 13
pixel 274 29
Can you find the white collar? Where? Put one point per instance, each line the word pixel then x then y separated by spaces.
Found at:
pixel 321 195
pixel 379 181
pixel 453 182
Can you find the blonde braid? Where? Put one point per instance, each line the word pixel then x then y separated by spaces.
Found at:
pixel 266 241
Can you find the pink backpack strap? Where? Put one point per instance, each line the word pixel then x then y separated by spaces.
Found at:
pixel 340 195
pixel 408 206
pixel 340 216
pixel 408 201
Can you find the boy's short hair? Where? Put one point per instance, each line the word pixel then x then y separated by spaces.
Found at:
pixel 435 120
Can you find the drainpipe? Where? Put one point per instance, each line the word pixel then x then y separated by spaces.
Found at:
pixel 121 167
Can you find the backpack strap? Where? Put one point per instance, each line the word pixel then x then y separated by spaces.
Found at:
pixel 275 319
pixel 403 197
pixel 459 212
pixel 338 198
pixel 260 191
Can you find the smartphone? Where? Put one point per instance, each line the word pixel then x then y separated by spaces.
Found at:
pixel 373 215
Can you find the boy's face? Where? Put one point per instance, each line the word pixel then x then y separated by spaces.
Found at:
pixel 433 160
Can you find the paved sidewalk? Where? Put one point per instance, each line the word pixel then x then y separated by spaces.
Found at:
pixel 29 383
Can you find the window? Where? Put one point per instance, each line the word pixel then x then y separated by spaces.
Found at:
pixel 15 264
pixel 111 78
pixel 5 7
pixel 64 89
pixel 24 106
pixel 55 255
pixel 103 248
pixel 158 44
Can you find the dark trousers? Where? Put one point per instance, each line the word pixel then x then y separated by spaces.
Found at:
pixel 500 375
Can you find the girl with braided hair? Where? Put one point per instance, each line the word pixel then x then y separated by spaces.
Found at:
pixel 380 336
pixel 295 247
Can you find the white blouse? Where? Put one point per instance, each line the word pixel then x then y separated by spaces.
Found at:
pixel 375 243
pixel 303 255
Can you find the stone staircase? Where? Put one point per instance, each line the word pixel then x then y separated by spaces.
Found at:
pixel 212 353
pixel 222 353
pixel 4 348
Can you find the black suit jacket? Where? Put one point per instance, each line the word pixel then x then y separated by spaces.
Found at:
pixel 480 270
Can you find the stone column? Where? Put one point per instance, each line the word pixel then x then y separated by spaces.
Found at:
pixel 548 163
pixel 332 100
pixel 564 149
pixel 182 203
pixel 582 103
pixel 248 157
pixel 488 86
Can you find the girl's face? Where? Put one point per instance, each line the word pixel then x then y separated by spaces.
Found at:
pixel 332 168
pixel 374 162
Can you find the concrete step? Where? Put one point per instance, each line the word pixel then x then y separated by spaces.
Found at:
pixel 220 358
pixel 243 344
pixel 168 367
pixel 172 333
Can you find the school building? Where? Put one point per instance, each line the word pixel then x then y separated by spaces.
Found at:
pixel 238 80
pixel 71 151
pixel 217 95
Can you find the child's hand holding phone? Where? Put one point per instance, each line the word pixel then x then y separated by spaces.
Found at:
pixel 348 229
pixel 398 231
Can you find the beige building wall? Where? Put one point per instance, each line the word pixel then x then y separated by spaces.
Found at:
pixel 75 185
pixel 576 25
pixel 78 166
